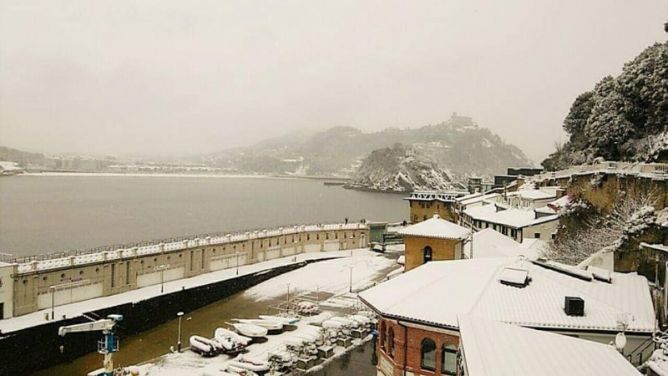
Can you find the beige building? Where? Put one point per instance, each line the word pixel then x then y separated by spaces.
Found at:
pixel 38 284
pixel 423 205
pixel 431 240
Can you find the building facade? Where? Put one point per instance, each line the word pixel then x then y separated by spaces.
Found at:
pixel 435 239
pixel 424 205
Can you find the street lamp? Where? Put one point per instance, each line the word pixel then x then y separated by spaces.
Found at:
pixel 162 268
pixel 178 343
pixel 237 254
pixel 351 279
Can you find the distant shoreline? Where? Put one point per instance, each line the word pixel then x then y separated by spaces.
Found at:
pixel 179 175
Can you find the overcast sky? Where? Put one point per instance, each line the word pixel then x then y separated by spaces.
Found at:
pixel 162 77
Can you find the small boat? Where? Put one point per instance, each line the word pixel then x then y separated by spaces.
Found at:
pixel 334 183
pixel 268 324
pixel 222 333
pixel 286 320
pixel 250 330
pixel 204 346
pixel 248 364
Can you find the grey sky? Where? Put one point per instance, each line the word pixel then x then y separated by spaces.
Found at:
pixel 160 77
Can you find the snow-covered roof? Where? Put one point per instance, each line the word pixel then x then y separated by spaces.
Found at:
pixel 489 243
pixel 436 227
pixel 512 217
pixel 657 247
pixel 534 194
pixel 499 349
pixel 472 286
pixel 475 197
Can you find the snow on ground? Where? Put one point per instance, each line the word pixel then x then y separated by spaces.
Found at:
pixel 189 363
pixel 78 308
pixel 331 276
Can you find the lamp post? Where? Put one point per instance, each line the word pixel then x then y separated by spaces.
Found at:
pixel 178 342
pixel 53 301
pixel 237 254
pixel 350 289
pixel 162 268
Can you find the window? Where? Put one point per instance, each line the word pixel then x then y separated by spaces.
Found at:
pixel 449 360
pixel 536 235
pixel 390 342
pixel 427 256
pixel 381 334
pixel 428 354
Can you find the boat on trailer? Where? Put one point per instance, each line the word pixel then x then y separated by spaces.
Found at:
pixel 204 346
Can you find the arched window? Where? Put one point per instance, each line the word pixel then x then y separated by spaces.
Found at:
pixel 449 360
pixel 427 254
pixel 428 354
pixel 390 342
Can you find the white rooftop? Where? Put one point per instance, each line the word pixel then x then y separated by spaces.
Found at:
pixel 657 247
pixel 513 217
pixel 498 349
pixel 437 227
pixel 472 286
pixel 490 243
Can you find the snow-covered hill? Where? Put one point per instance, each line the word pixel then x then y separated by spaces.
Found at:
pixel 401 168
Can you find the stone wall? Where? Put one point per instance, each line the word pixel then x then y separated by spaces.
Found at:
pixel 33 291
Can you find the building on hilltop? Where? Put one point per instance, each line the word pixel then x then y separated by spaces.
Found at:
pixel 418 311
pixel 493 348
pixel 433 239
pixel 424 204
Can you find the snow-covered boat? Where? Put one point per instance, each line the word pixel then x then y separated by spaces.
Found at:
pixel 222 333
pixel 250 330
pixel 267 324
pixel 204 346
pixel 249 364
pixel 286 320
pixel 307 308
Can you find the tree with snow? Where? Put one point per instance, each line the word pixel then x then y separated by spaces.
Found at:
pixel 631 216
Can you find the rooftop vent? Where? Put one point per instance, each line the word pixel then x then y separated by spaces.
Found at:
pixel 515 277
pixel 574 306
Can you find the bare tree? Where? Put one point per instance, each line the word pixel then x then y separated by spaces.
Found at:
pixel 632 214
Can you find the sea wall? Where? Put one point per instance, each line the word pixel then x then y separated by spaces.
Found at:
pixel 62 280
pixel 40 346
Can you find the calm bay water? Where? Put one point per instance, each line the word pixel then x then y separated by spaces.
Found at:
pixel 42 214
